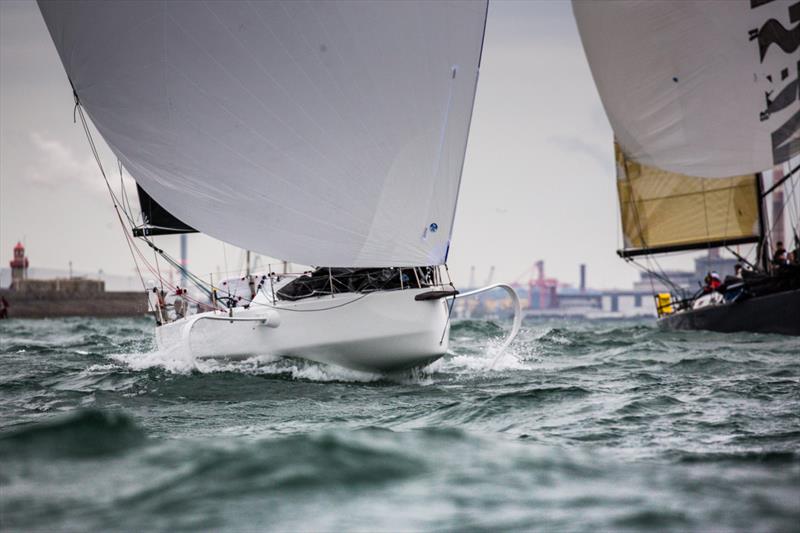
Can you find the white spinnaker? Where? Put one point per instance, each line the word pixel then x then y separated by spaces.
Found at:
pixel 323 133
pixel 687 84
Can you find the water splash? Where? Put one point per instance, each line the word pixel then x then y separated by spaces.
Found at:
pixel 177 359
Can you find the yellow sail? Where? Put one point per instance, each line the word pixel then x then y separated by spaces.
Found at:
pixel 664 211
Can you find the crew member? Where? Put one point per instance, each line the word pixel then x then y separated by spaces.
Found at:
pixel 712 282
pixel 779 257
pixel 156 303
pixel 179 304
pixel 162 305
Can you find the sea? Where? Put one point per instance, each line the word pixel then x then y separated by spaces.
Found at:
pixel 580 426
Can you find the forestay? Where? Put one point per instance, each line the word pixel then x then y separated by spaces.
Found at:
pixel 324 133
pixel 697 87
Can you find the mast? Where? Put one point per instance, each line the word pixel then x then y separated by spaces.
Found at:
pixel 184 260
pixel 762 225
pixel 763 243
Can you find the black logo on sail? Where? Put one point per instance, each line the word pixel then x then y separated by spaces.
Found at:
pixel 774 35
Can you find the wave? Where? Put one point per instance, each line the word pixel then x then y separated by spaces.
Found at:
pixel 483 328
pixel 178 362
pixel 328 459
pixel 81 434
pixel 747 456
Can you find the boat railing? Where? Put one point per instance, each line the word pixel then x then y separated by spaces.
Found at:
pixel 516 325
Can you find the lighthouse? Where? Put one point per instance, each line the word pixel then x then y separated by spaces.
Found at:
pixel 19 265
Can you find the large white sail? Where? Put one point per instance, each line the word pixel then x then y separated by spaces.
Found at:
pixel 324 133
pixel 703 88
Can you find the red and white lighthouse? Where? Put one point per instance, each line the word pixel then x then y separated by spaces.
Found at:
pixel 19 265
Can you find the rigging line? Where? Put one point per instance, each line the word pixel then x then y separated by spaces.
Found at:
pixel 144 259
pixel 635 216
pixel 156 250
pixel 158 269
pixel 678 290
pixel 663 278
pixel 197 281
pixel 776 185
pixel 96 155
pixel 649 258
pixel 795 206
pixel 175 264
pixel 125 196
pixel 108 185
pixel 741 257
pixel 777 216
pixel 794 215
pixel 154 273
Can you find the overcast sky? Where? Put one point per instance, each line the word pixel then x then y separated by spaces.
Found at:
pixel 538 179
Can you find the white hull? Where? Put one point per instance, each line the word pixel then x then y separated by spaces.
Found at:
pixel 379 331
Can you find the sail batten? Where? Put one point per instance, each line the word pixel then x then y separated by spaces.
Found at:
pixel 323 132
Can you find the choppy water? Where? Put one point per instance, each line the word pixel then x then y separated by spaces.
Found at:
pixel 611 426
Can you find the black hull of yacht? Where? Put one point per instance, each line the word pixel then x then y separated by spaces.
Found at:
pixel 771 313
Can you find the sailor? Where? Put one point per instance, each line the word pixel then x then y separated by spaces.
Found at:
pixel 155 302
pixel 779 257
pixel 179 304
pixel 736 277
pixel 251 282
pixel 712 282
pixel 733 287
pixel 161 298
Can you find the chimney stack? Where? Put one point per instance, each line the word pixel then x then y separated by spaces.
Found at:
pixel 583 277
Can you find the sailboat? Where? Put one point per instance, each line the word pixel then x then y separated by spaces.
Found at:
pixel 326 133
pixel 704 101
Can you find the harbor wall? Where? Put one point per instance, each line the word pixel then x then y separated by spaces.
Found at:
pixel 34 304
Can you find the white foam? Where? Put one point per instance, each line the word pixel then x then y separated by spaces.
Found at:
pixel 494 359
pixel 100 369
pixel 181 362
pixel 177 359
pixel 318 372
